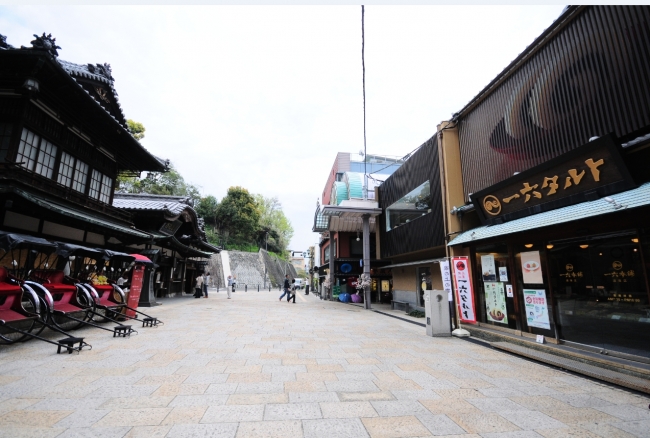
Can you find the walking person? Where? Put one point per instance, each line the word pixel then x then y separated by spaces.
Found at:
pixel 198 286
pixel 285 287
pixel 230 285
pixel 292 292
pixel 206 280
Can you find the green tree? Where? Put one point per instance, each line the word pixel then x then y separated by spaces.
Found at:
pixel 238 215
pixel 275 223
pixel 207 209
pixel 161 183
pixel 137 129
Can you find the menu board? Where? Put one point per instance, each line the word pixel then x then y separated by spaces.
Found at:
pixel 487 266
pixel 464 291
pixel 536 308
pixel 495 302
pixel 531 267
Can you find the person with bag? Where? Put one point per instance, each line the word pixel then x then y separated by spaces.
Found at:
pixel 206 279
pixel 198 286
pixel 292 292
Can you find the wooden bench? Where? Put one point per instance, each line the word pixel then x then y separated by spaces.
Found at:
pixel 401 304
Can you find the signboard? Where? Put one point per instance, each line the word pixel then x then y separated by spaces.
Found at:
pixel 503 274
pixel 495 302
pixel 446 279
pixel 137 277
pixel 587 173
pixel 487 265
pixel 169 228
pixel 536 308
pixel 464 291
pixel 531 267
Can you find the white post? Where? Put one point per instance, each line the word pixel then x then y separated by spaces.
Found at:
pixel 366 259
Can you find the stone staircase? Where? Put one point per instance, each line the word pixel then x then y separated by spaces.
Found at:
pixel 247 267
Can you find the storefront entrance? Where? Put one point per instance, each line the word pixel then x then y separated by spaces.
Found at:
pixel 600 292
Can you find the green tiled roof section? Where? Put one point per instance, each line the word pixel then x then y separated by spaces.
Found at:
pixel 354 181
pixel 339 192
pixel 321 223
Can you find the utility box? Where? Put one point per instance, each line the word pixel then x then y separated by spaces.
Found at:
pixel 436 310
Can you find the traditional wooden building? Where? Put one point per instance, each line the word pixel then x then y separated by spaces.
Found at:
pixel 178 245
pixel 63 141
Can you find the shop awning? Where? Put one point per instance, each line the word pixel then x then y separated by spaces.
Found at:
pixel 80 215
pixel 419 262
pixel 638 197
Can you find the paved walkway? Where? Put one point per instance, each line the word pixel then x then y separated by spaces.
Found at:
pixel 254 367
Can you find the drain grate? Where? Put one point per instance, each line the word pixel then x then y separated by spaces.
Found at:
pixel 606 375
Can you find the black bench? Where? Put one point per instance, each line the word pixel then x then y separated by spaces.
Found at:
pixel 68 344
pixel 122 331
pixel 401 304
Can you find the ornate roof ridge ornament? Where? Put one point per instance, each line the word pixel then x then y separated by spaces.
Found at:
pixel 102 70
pixel 47 43
pixel 3 43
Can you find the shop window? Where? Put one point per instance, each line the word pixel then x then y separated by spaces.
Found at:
pixel 66 169
pixel 28 149
pixel 80 176
pixel 5 138
pixel 36 154
pixel 414 205
pixel 601 293
pixel 494 286
pixel 46 159
pixel 105 190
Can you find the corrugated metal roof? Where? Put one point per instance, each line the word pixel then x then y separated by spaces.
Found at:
pixel 638 197
pixel 340 192
pixel 354 183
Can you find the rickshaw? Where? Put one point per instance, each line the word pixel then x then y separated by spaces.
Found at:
pixel 26 306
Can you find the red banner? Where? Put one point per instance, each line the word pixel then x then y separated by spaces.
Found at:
pixel 464 290
pixel 137 276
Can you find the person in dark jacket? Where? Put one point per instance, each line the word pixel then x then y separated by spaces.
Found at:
pixel 285 287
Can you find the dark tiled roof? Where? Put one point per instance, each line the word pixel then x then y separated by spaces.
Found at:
pixel 173 205
pixel 99 73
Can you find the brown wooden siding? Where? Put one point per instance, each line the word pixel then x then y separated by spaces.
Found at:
pixel 590 79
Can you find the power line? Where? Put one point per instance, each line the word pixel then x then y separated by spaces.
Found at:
pixel 363 65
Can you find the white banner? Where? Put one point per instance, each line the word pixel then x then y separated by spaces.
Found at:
pixel 464 290
pixel 446 279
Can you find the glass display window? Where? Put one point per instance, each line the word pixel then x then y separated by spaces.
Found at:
pixel 493 281
pixel 601 293
pixel 414 205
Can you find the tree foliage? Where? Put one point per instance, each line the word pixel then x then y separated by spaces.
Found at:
pixel 207 209
pixel 137 129
pixel 238 214
pixel 274 229
pixel 161 183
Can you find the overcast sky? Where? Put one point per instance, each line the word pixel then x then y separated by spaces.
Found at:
pixel 265 96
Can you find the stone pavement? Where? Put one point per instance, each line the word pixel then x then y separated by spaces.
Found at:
pixel 255 367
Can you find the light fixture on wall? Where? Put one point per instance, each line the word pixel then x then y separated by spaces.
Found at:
pixel 528 245
pixel 635 240
pixel 584 246
pixel 549 246
pixel 358 236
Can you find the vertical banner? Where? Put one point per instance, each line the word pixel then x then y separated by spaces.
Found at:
pixel 495 302
pixel 531 267
pixel 536 308
pixel 464 292
pixel 137 277
pixel 446 279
